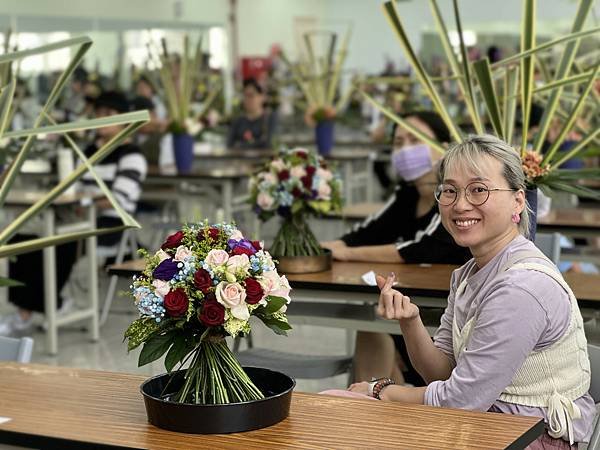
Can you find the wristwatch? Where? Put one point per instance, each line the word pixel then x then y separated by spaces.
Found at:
pixel 376 385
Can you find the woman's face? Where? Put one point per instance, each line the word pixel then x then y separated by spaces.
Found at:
pixel 253 100
pixel 403 138
pixel 481 227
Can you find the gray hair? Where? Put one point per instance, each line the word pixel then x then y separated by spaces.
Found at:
pixel 467 155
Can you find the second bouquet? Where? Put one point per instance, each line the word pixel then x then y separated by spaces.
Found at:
pixel 295 185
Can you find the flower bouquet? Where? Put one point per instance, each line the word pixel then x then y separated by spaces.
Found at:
pixel 295 184
pixel 202 285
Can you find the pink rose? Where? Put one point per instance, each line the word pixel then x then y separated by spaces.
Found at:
pixel 161 287
pixel 324 174
pixel 216 257
pixel 162 255
pixel 233 296
pixel 283 290
pixel 297 172
pixel 182 253
pixel 238 264
pixel 236 235
pixel 269 178
pixel 324 191
pixel 264 200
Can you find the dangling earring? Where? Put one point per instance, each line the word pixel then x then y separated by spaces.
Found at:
pixel 516 218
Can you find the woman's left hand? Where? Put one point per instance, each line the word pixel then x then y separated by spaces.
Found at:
pixel 361 388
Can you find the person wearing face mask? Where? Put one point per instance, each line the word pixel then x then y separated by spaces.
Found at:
pixel 407 230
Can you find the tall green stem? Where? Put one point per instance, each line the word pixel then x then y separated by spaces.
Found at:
pixel 295 238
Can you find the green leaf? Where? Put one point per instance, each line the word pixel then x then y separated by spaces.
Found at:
pixel 527 65
pixel 178 351
pixel 7 282
pixel 139 331
pixel 155 347
pixel 484 77
pixel 279 327
pixel 510 102
pixel 274 304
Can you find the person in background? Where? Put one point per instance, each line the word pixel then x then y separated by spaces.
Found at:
pixel 407 230
pixel 123 171
pixel 144 88
pixel 511 339
pixel 256 126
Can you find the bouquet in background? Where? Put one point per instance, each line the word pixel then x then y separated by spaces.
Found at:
pixel 202 285
pixel 317 114
pixel 293 185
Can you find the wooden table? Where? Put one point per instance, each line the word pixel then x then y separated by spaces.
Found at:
pixel 339 297
pixel 81 409
pixel 23 199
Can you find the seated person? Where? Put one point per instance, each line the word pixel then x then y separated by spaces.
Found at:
pixel 511 339
pixel 407 230
pixel 256 126
pixel 123 171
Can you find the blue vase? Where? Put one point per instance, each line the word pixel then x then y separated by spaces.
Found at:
pixel 531 197
pixel 324 137
pixel 183 147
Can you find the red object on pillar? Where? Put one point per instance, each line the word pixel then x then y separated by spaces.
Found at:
pixel 255 66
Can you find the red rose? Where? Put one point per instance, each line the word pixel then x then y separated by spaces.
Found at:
pixel 307 181
pixel 256 245
pixel 296 192
pixel 213 313
pixel 301 154
pixel 176 303
pixel 254 291
pixel 241 250
pixel 213 233
pixel 283 175
pixel 310 170
pixel 202 280
pixel 173 241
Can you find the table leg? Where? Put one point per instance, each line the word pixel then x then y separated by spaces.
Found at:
pixel 50 284
pixel 348 182
pixel 227 196
pixel 91 245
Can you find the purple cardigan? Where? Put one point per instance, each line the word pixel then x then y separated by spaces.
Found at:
pixel 521 311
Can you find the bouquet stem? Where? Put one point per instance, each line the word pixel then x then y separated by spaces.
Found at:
pixel 295 238
pixel 216 377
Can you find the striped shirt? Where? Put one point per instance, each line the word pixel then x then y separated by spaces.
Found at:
pixel 418 239
pixel 123 171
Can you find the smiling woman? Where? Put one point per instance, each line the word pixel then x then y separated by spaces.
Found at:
pixel 511 339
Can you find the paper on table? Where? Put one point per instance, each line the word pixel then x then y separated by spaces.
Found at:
pixel 369 278
pixel 4 420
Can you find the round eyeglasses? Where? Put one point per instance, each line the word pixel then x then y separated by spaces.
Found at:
pixel 476 193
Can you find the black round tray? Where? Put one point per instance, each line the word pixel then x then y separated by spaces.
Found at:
pixel 227 418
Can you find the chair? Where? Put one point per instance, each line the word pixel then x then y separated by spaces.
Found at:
pixel 16 349
pixel 594 353
pixel 296 365
pixel 549 244
pixel 127 242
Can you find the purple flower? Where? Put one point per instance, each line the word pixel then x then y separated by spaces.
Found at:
pixel 243 246
pixel 165 270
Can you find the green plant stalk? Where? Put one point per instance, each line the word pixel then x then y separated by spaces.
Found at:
pixel 572 117
pixel 484 77
pixel 216 377
pixel 564 67
pixel 14 226
pixel 393 17
pixel 578 148
pixel 406 125
pixel 510 102
pixel 338 68
pixel 295 238
pixel 527 66
pixel 6 96
pixel 576 79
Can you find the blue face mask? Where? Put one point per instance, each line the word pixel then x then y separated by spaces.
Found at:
pixel 412 162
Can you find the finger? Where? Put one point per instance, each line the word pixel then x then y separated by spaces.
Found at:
pixel 400 306
pixel 389 281
pixel 406 303
pixel 389 305
pixel 380 281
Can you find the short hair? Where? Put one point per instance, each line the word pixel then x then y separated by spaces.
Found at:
pixel 251 82
pixel 112 100
pixel 433 120
pixel 468 153
pixel 140 102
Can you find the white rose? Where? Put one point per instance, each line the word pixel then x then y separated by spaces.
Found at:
pixel 162 255
pixel 264 200
pixel 270 178
pixel 161 287
pixel 238 264
pixel 269 281
pixel 283 290
pixel 324 191
pixel 236 235
pixel 297 172
pixel 182 253
pixel 233 296
pixel 324 174
pixel 216 258
pixel 278 164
